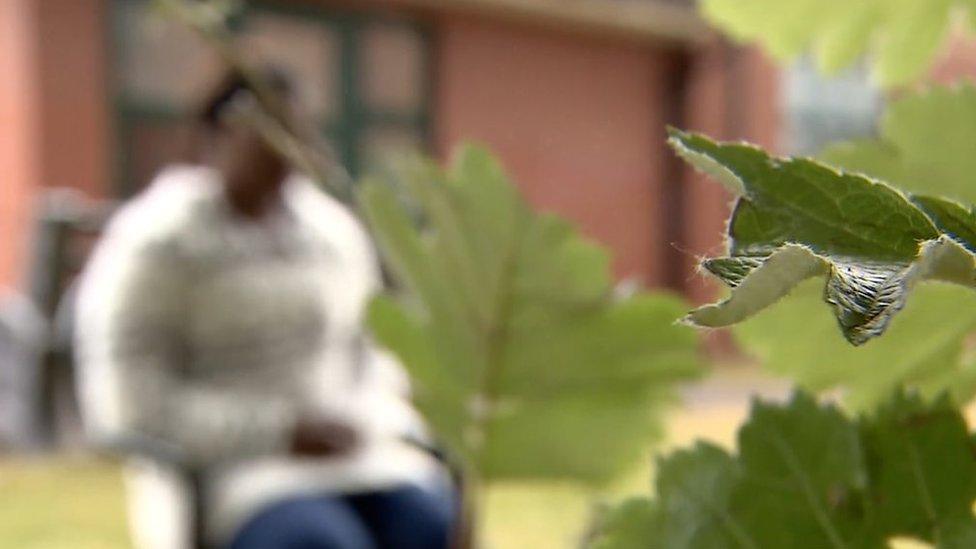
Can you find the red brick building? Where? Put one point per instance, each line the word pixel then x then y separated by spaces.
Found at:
pixel 574 97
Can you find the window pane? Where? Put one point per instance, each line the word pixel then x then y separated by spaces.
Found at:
pixel 307 51
pixel 392 68
pixel 151 145
pixel 160 60
pixel 381 145
pixel 820 110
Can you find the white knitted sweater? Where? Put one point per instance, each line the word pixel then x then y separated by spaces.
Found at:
pixel 213 333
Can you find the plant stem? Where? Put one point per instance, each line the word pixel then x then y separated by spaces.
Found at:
pixel 270 121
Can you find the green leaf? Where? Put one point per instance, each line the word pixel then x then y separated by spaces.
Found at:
pixel 902 36
pixel 808 477
pixel 959 535
pixel 439 397
pixel 798 218
pixel 694 490
pixel 922 467
pixel 924 148
pixel 924 144
pixel 632 524
pixel 801 472
pixel 786 200
pixel 522 360
pixel 951 218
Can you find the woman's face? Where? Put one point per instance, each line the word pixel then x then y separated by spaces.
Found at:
pixel 252 171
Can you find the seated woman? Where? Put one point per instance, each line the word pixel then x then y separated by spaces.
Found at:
pixel 222 317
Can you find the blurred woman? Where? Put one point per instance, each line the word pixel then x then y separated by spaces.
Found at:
pixel 221 318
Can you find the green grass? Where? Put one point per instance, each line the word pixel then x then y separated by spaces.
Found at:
pixel 68 503
pixel 78 502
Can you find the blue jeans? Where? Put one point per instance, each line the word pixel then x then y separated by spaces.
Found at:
pixel 402 518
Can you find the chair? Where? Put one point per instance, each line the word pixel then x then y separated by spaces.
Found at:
pixel 22 332
pixel 66 226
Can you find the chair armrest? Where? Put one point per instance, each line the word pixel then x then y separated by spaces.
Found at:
pixel 194 474
pixel 426 446
pixel 136 445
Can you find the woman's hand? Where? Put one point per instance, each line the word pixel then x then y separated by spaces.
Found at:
pixel 323 438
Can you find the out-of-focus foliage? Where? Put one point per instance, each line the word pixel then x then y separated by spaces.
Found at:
pixel 634 523
pixel 807 476
pixel 900 36
pixel 925 145
pixel 522 361
pixel 925 347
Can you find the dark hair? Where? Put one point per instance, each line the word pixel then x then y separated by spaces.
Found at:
pixel 232 84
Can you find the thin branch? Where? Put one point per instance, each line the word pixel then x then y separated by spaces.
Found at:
pixel 208 20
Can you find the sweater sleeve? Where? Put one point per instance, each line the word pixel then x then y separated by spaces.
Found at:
pixel 356 380
pixel 132 355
